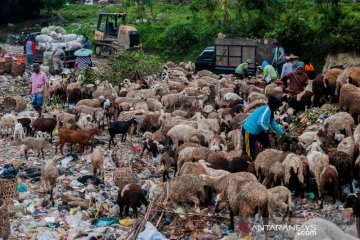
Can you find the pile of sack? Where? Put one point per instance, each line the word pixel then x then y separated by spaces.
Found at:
pixel 54 37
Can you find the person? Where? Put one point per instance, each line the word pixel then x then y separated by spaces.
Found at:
pixel 240 71
pixel 298 79
pixel 39 81
pixel 86 43
pixel 277 57
pixel 287 68
pixel 256 127
pixel 83 59
pixel 57 59
pixel 309 69
pixel 294 60
pixel 269 72
pixel 30 51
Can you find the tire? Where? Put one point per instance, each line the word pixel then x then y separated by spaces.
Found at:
pixel 98 50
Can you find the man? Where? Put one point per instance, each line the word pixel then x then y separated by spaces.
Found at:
pixel 38 83
pixel 277 57
pixel 269 72
pixel 57 60
pixel 86 43
pixel 294 60
pixel 30 51
pixel 298 79
pixel 287 68
pixel 240 71
pixel 257 125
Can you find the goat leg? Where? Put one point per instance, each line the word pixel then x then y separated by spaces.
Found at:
pixel 231 227
pixel 42 153
pixel 127 210
pixel 26 157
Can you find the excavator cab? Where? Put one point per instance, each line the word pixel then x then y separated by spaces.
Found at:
pixel 112 34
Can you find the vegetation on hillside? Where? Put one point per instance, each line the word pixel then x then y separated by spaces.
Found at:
pixel 309 28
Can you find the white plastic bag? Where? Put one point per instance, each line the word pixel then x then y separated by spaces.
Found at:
pixel 69 37
pixel 150 233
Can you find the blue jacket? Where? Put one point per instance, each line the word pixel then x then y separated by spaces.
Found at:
pixel 259 121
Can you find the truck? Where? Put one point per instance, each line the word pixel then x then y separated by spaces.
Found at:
pixel 228 53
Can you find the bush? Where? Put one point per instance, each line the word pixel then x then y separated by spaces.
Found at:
pixel 128 62
pixel 178 39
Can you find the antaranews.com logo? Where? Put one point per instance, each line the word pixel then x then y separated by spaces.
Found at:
pixel 303 230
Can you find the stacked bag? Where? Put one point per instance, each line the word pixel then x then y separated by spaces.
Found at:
pixel 54 37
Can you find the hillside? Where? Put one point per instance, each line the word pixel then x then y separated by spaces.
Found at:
pixel 309 28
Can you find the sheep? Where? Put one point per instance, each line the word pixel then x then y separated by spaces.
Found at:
pixel 330 78
pixel 170 100
pixel 84 120
pixel 186 188
pixel 273 90
pixel 319 90
pixel 97 161
pixel 49 175
pixel 206 124
pixel 338 123
pixel 131 195
pixel 168 160
pixel 192 168
pixel 254 105
pixel 231 96
pixel 348 99
pixel 94 103
pixel 177 134
pixel 293 168
pixel 117 127
pixel 150 122
pixel 153 104
pixel 218 143
pixel 236 138
pixel 354 76
pixel 38 144
pixel 323 229
pixel 264 160
pixel 343 164
pixel 7 123
pixel 306 138
pixel 207 135
pixel 97 113
pixel 229 161
pixel 210 171
pixel 242 198
pixel 341 80
pixel 18 131
pixel 276 174
pixel 44 125
pixel 347 145
pixel 82 137
pixel 328 181
pixel 280 198
pixel 253 96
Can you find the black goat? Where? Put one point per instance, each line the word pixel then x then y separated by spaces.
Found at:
pixel 152 146
pixel 25 122
pixel 352 201
pixel 44 125
pixel 133 196
pixel 118 127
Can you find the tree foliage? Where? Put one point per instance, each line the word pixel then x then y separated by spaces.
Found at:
pixel 19 10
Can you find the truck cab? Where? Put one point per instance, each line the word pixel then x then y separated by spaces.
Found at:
pixel 206 60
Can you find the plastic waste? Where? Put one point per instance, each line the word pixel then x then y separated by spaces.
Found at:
pixel 102 222
pixel 8 171
pixel 127 222
pixel 150 233
pixel 22 188
pixel 311 195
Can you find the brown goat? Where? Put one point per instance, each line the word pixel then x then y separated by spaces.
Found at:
pixel 82 137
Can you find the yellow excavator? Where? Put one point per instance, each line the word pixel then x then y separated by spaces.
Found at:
pixel 112 34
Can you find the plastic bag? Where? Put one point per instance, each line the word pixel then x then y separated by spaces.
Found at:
pixel 69 37
pixel 59 29
pixel 73 46
pixel 150 233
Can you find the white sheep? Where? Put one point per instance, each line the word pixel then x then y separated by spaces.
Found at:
pixel 231 96
pixel 18 131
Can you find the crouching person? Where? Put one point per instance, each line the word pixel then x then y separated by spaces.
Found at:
pixel 256 126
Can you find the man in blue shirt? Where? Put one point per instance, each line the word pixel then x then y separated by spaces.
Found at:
pixel 86 43
pixel 256 126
